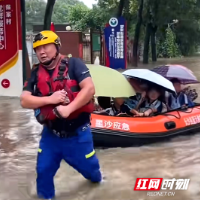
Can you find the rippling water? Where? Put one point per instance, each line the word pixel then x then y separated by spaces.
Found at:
pixel 19 137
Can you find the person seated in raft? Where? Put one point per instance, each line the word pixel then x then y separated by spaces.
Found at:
pixel 191 93
pixel 96 105
pixel 180 100
pixel 152 104
pixel 139 85
pixel 132 103
pixel 107 107
pixel 124 105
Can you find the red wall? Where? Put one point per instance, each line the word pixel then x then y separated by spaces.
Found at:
pixel 71 42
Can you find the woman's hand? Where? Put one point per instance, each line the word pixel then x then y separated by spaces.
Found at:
pixel 134 112
pixel 143 114
pixel 143 94
pixel 139 115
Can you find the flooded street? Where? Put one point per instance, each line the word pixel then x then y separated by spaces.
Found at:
pixel 20 134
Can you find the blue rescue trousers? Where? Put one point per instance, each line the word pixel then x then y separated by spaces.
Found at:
pixel 77 151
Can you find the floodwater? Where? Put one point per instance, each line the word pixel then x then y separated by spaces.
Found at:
pixel 19 137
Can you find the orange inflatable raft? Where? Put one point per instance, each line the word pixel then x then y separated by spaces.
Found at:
pixel 111 131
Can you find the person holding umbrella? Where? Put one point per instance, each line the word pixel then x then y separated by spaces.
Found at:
pixel 125 105
pixel 180 100
pixel 178 75
pixel 150 79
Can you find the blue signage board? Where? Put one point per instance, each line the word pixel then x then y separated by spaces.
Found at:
pixel 115 42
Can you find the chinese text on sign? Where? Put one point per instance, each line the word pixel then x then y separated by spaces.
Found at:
pixel 5 20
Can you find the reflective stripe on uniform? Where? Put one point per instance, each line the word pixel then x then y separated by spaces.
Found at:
pixel 39 150
pixel 90 154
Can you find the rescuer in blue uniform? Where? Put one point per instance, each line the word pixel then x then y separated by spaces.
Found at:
pixel 66 135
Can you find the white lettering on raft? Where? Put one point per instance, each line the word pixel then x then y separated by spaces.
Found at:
pixel 192 120
pixel 112 125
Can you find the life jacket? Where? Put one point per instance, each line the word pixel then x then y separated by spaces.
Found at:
pixel 47 85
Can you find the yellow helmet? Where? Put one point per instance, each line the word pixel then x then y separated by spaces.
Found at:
pixel 46 37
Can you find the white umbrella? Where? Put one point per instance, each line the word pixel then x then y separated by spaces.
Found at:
pixel 150 76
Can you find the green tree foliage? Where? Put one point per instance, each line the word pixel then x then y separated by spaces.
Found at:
pixel 62 9
pixel 169 48
pixel 156 15
pixel 188 14
pixel 78 16
pixel 111 9
pixel 170 44
pixel 35 11
pixel 84 18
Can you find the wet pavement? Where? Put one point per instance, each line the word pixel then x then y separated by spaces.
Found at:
pixel 20 134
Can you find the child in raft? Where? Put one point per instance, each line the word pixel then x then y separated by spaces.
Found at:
pixel 146 104
pixel 180 100
pixel 152 103
pixel 107 107
pixel 125 105
pixel 133 103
